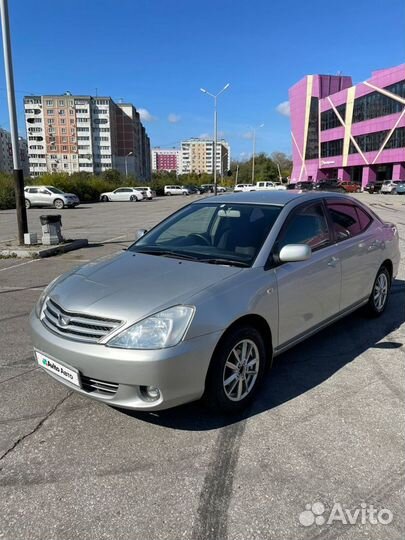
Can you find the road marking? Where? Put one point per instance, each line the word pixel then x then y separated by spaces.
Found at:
pixel 16 289
pixel 112 239
pixel 17 265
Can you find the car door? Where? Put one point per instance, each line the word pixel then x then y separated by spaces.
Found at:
pixel 33 196
pixel 118 194
pixel 44 197
pixel 308 291
pixel 358 249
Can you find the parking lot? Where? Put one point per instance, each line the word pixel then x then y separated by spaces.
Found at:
pixel 328 425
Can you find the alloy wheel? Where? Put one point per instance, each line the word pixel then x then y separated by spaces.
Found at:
pixel 241 370
pixel 380 292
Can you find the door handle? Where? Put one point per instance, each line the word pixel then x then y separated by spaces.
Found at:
pixel 332 261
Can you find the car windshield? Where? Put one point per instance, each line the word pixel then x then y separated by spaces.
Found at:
pixel 231 234
pixel 55 190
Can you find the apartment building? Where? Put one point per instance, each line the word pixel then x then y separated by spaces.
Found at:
pixel 346 131
pixel 84 133
pixel 6 153
pixel 197 156
pixel 166 160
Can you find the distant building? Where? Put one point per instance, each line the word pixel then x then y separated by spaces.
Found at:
pixel 6 153
pixel 84 133
pixel 166 160
pixel 197 156
pixel 349 132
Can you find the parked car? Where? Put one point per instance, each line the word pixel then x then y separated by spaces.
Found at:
pixel 175 190
pixel 192 190
pixel 305 186
pixel 210 188
pixel 327 185
pixel 49 196
pixel 350 187
pixel 147 192
pixel 122 194
pixel 269 186
pixel 222 286
pixel 244 187
pixel 373 187
pixel 393 186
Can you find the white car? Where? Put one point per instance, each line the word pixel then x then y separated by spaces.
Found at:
pixel 49 196
pixel 175 190
pixel 122 194
pixel 147 192
pixel 269 186
pixel 390 186
pixel 244 187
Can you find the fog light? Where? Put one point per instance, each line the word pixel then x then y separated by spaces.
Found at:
pixel 150 393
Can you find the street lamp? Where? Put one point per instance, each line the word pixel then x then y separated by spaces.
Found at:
pixel 17 170
pixel 215 130
pixel 126 163
pixel 278 168
pixel 254 149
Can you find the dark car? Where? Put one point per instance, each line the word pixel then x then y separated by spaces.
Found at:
pixel 303 186
pixel 193 190
pixel 374 187
pixel 329 185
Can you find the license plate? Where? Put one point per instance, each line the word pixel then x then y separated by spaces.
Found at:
pixel 67 373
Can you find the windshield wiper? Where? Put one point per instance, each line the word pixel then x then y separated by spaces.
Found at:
pixel 166 253
pixel 229 262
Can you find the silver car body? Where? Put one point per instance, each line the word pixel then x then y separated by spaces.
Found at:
pixel 175 190
pixel 294 299
pixel 147 192
pixel 46 196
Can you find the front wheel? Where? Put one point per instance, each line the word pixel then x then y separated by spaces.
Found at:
pixel 104 198
pixel 27 204
pixel 59 204
pixel 378 299
pixel 236 370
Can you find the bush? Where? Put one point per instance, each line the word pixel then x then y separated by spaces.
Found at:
pixel 7 195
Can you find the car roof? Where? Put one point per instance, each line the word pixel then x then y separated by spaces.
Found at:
pixel 279 198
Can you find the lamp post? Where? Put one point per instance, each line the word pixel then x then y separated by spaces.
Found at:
pixel 215 130
pixel 254 150
pixel 17 172
pixel 279 171
pixel 126 163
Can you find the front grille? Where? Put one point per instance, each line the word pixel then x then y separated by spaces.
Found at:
pixel 76 326
pixel 100 387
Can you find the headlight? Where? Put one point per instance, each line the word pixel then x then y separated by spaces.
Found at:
pixel 40 303
pixel 164 329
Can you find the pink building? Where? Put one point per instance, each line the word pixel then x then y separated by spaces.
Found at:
pixel 349 132
pixel 165 159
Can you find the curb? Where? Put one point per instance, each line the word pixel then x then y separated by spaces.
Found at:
pixel 39 253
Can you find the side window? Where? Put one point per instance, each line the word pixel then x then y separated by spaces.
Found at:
pixel 345 221
pixel 309 226
pixel 364 218
pixel 44 192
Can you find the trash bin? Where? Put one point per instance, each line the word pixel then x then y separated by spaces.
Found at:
pixel 51 229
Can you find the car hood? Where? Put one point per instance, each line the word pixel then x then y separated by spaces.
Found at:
pixel 132 286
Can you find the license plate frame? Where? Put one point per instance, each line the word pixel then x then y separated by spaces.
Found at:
pixel 58 368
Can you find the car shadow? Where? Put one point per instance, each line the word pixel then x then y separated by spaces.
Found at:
pixel 300 369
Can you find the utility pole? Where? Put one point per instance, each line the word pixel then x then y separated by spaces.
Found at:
pixel 254 150
pixel 237 174
pixel 17 172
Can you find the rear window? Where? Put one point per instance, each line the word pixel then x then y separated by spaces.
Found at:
pixel 348 220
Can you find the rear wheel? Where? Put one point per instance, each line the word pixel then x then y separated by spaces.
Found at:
pixel 27 204
pixel 379 295
pixel 133 198
pixel 59 204
pixel 236 370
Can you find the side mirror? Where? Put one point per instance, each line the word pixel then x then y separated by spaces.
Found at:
pixel 295 253
pixel 139 233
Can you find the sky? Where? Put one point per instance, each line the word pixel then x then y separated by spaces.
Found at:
pixel 157 54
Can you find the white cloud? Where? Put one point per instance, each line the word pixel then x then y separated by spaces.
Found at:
pixel 283 108
pixel 248 135
pixel 146 116
pixel 173 118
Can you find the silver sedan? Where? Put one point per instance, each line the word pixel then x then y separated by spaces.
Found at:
pixel 201 304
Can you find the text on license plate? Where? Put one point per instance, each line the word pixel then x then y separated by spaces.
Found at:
pixel 57 368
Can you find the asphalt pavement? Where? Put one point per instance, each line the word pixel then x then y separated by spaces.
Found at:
pixel 327 428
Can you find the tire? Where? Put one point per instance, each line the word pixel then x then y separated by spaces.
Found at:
pixel 104 198
pixel 27 204
pixel 58 203
pixel 241 388
pixel 378 302
pixel 133 198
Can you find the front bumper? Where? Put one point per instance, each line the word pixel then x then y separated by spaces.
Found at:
pixel 179 372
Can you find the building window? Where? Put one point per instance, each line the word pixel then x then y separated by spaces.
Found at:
pixel 61 112
pixel 312 149
pixel 61 121
pixel 368 143
pixel 51 120
pixel 51 130
pixel 332 148
pixel 64 139
pixel 64 148
pixel 50 112
pixel 49 103
pixel 63 130
pixel 65 156
pixel 73 149
pixel 374 105
pixel 329 118
pixel 61 103
pixel 72 121
pixel 71 112
pixel 397 139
